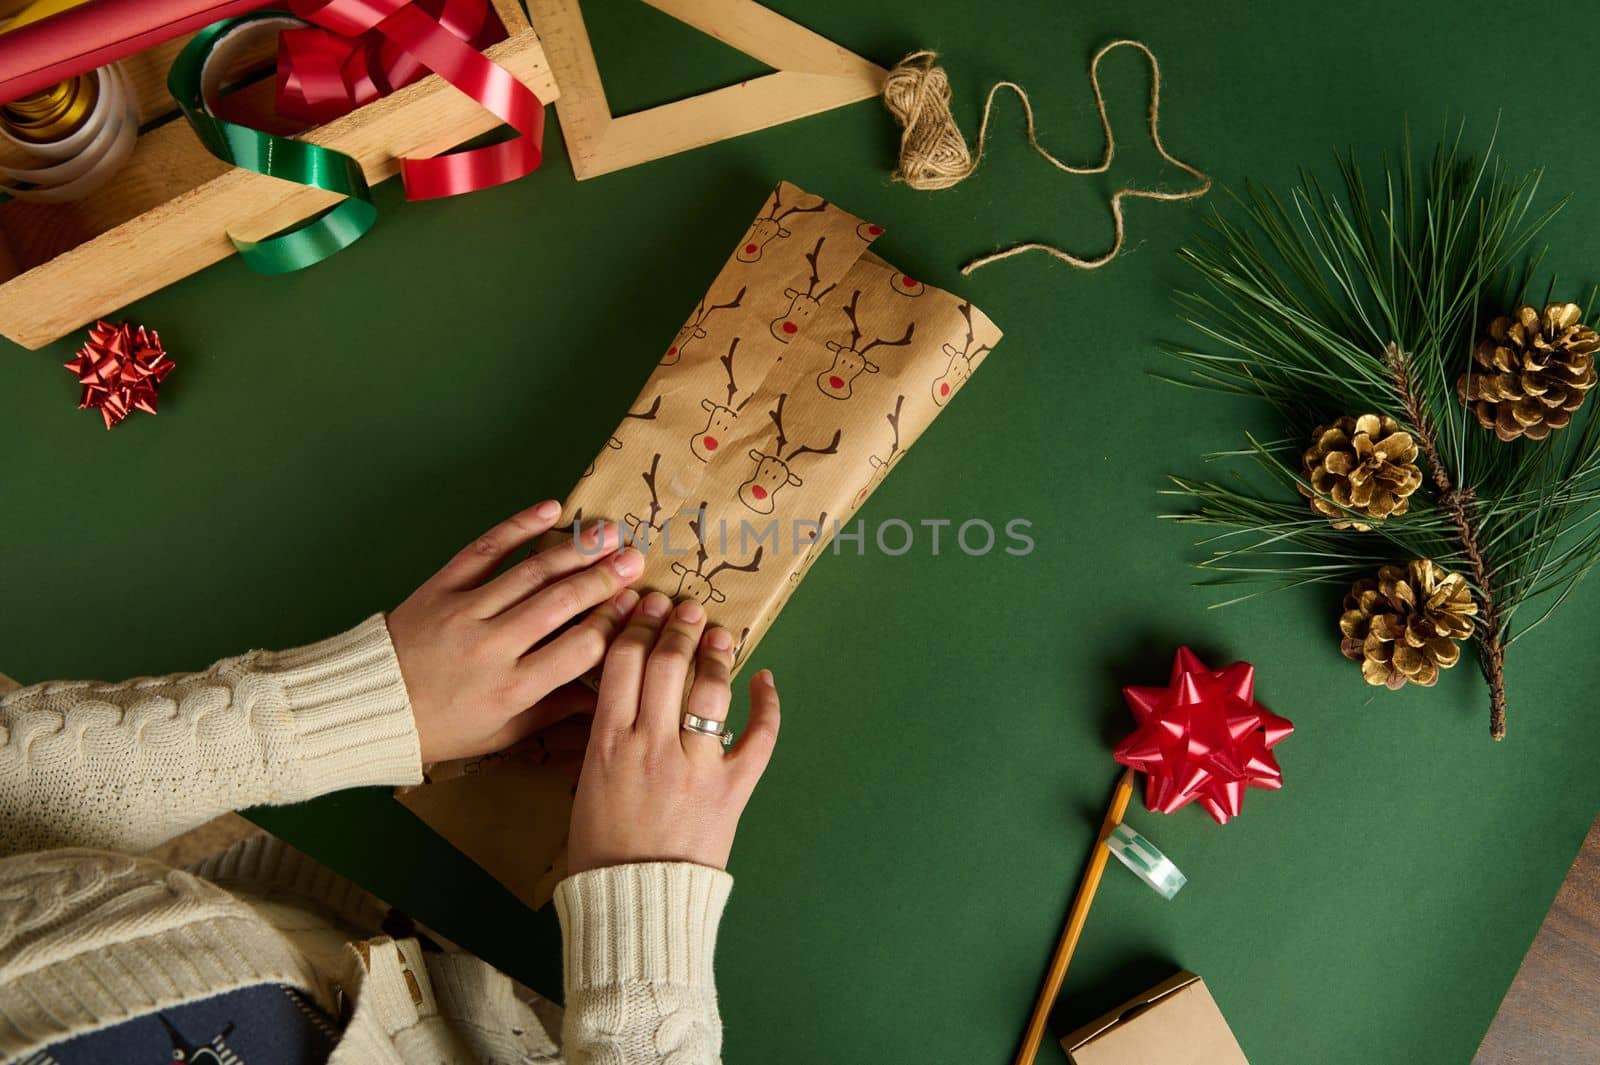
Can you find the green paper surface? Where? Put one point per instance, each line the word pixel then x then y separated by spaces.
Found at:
pixel 331 436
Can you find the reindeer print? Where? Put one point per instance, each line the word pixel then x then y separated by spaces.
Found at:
pixel 850 360
pixel 802 305
pixel 809 540
pixel 807 535
pixel 719 416
pixel 615 444
pixel 961 362
pixel 906 286
pixel 695 328
pixel 812 532
pixel 770 227
pixel 881 465
pixel 772 471
pixel 643 531
pixel 869 231
pixel 697 583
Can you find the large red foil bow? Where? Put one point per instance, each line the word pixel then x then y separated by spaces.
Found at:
pixel 359 50
pixel 120 368
pixel 1203 738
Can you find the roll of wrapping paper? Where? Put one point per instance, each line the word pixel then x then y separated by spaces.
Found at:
pixel 194 82
pixel 75 38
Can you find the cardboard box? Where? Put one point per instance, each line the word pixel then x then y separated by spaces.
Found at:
pixel 1174 1023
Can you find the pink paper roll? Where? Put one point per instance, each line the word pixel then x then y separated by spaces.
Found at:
pixel 92 34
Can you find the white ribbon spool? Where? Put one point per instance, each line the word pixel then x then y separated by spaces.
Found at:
pixel 89 156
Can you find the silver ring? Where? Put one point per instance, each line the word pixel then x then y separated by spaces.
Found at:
pixel 717 730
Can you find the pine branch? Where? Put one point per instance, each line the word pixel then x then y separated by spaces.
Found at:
pixel 1371 299
pixel 1456 502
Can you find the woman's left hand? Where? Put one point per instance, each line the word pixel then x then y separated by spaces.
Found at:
pixel 651 791
pixel 489 661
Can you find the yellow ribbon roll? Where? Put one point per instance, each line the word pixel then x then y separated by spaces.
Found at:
pixel 83 128
pixel 52 115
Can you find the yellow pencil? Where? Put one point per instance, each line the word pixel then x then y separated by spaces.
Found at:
pixel 1075 920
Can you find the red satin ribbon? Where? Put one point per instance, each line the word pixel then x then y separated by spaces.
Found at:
pixel 359 50
pixel 1203 738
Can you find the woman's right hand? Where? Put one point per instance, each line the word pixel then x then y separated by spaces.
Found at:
pixel 488 659
pixel 650 790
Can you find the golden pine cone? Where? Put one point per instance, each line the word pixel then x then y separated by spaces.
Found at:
pixel 1366 464
pixel 1532 371
pixel 1404 625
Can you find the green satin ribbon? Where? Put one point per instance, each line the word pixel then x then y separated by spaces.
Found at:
pixel 195 78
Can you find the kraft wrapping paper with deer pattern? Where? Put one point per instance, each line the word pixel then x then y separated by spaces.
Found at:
pixel 804 375
pixel 800 380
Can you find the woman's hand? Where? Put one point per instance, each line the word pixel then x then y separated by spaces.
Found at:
pixel 486 661
pixel 650 790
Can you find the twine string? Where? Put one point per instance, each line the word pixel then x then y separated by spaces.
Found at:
pixel 934 154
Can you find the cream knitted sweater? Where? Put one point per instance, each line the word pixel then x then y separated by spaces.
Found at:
pixel 90 936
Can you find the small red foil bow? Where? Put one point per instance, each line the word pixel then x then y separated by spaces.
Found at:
pixel 359 50
pixel 1203 738
pixel 120 368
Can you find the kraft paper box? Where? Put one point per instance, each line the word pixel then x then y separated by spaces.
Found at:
pixel 509 812
pixel 798 382
pixel 1174 1023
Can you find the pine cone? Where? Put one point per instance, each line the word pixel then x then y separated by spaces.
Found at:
pixel 1366 464
pixel 1404 625
pixel 1532 371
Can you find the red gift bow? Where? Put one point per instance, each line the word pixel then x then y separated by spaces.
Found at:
pixel 1203 738
pixel 359 50
pixel 120 368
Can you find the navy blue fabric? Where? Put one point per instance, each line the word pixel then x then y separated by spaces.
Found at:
pixel 268 1024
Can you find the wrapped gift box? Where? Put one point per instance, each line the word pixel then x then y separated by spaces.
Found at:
pixel 800 380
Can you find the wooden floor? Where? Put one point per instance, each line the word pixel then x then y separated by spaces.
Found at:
pixel 1551 1015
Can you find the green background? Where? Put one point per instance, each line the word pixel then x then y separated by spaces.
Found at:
pixel 331 436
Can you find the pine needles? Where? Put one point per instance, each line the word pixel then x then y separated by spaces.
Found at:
pixel 1371 298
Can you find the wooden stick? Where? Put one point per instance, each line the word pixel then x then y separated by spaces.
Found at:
pixel 170 209
pixel 1075 921
pixel 811 74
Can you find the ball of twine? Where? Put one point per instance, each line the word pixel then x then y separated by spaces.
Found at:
pixel 933 153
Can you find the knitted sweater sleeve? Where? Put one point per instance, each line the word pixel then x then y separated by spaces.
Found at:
pixel 127 766
pixel 638 942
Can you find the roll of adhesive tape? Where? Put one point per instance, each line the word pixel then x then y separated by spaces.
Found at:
pixel 87 157
pixel 1146 861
